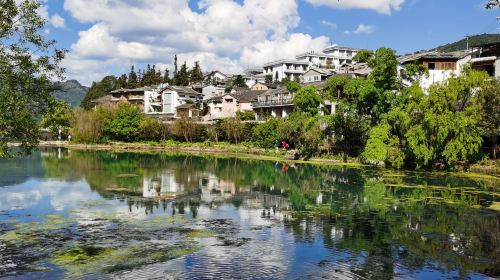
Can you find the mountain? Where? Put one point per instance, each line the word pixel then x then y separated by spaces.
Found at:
pixel 473 41
pixel 70 91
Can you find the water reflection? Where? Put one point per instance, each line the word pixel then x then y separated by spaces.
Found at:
pixel 275 220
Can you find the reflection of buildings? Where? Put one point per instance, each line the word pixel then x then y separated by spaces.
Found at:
pixel 163 184
pixel 214 189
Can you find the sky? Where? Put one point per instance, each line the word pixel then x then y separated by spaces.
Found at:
pixel 106 37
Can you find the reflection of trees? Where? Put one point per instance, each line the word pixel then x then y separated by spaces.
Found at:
pixel 382 225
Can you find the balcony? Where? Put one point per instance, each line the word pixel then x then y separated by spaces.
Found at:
pixel 288 101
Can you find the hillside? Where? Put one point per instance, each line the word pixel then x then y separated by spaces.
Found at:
pixel 473 41
pixel 71 91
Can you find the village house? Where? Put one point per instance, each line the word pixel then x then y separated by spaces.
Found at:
pixel 285 68
pixel 165 101
pixel 227 105
pixel 486 57
pixel 253 76
pixel 316 75
pixel 441 65
pixel 273 103
pixel 216 78
pixel 210 91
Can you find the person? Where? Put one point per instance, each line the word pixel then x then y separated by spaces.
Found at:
pixel 276 144
pixel 69 138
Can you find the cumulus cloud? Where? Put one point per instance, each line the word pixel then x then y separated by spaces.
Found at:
pixel 57 21
pixel 228 35
pixel 364 29
pixel 381 6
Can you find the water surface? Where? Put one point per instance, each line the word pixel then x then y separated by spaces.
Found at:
pixel 93 215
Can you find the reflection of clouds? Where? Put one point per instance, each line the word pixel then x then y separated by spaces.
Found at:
pixel 61 194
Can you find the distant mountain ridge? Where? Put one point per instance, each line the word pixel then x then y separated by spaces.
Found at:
pixel 70 91
pixel 473 41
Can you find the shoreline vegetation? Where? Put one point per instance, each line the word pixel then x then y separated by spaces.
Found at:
pixel 244 151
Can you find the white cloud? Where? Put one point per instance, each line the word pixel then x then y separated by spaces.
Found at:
pixel 222 34
pixel 381 6
pixel 57 21
pixel 287 47
pixel 329 24
pixel 364 29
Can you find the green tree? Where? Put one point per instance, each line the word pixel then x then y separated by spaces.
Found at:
pixel 233 129
pixel 182 76
pixel 245 115
pixel 58 117
pixel 185 128
pixel 28 64
pixel 196 75
pixel 293 86
pixel 384 69
pixel 363 56
pixel 239 82
pixel 132 79
pixel 269 79
pixel 125 124
pixel 490 113
pixel 122 82
pixel 307 100
pixel 98 90
pixel 414 72
pixel 166 77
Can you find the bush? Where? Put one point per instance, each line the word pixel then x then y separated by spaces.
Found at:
pixel 245 115
pixel 185 128
pixel 265 134
pixel 88 126
pixel 153 129
pixel 233 129
pixel 125 124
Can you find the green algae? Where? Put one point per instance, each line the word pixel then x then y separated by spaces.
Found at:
pixel 82 260
pixel 199 233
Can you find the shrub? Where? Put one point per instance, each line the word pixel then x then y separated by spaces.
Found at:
pixel 233 129
pixel 185 128
pixel 152 129
pixel 265 134
pixel 245 115
pixel 125 124
pixel 87 126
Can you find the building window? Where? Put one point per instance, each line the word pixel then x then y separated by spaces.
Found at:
pixel 167 103
pixel 431 66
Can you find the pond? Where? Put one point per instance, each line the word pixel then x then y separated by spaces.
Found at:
pixel 95 214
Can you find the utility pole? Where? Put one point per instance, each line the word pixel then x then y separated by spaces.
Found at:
pixel 467 37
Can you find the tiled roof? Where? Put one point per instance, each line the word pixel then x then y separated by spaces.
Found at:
pixel 433 55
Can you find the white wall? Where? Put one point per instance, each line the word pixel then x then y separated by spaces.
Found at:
pixel 212 91
pixel 226 109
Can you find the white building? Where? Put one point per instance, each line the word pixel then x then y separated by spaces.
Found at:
pixel 165 100
pixel 316 75
pixel 210 91
pixel 332 57
pixel 253 76
pixel 441 66
pixel 285 68
pixel 216 78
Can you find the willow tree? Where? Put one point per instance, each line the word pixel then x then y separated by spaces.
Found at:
pixel 29 63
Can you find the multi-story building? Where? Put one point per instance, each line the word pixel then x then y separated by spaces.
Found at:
pixel 332 57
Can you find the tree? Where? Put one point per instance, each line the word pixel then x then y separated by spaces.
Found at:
pixel 233 129
pixel 182 77
pixel 384 69
pixel 414 72
pixel 245 115
pixel 166 77
pixel 185 128
pixel 122 81
pixel 383 148
pixel 98 90
pixel 196 75
pixel 28 65
pixel 132 79
pixel 492 4
pixel 307 100
pixel 269 79
pixel 363 56
pixel 175 66
pixel 125 124
pixel 58 117
pixel 292 86
pixel 490 113
pixel 239 82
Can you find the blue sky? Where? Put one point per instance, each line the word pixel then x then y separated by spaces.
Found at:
pixel 106 37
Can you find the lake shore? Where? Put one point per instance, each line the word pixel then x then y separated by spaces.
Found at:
pixel 221 149
pixel 224 150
